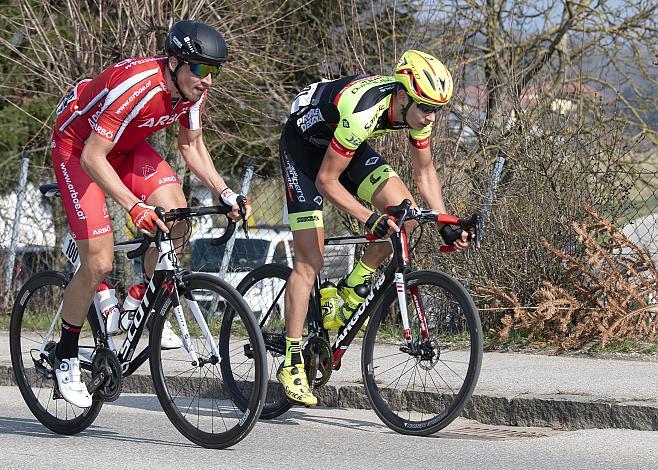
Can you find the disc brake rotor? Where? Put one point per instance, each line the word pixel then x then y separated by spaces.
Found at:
pixel 430 355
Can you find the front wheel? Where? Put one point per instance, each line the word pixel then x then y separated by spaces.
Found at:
pixel 195 395
pixel 33 316
pixel 421 389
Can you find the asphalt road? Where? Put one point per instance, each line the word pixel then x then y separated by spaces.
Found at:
pixel 134 433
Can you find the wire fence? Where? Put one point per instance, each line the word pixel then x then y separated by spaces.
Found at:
pixel 30 242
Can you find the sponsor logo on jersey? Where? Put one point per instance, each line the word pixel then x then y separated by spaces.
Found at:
pixel 318 200
pixel 374 180
pixel 79 213
pixel 102 230
pixel 163 120
pixel 375 117
pixel 148 171
pixel 346 123
pixel 100 130
pixel 132 97
pixel 128 63
pixel 372 161
pixel 70 96
pixel 313 116
pixel 354 140
pixel 369 81
pixel 167 179
pixel 308 218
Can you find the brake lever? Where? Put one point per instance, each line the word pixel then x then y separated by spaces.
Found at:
pixel 242 203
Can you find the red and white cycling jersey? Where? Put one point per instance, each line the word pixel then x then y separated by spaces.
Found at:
pixel 124 104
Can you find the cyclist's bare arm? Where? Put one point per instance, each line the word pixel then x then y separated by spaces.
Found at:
pixel 429 185
pixel 426 178
pixel 328 185
pixel 198 160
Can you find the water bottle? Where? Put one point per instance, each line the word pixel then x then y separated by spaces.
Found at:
pixel 106 302
pixel 329 304
pixel 353 297
pixel 131 303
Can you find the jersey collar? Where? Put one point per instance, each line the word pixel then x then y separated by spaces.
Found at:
pixel 389 116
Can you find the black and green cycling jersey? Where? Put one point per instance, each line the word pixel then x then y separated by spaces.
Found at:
pixel 348 111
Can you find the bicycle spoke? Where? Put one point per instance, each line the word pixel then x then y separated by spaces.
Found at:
pixel 428 389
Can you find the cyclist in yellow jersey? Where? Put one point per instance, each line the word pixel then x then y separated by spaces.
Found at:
pixel 324 154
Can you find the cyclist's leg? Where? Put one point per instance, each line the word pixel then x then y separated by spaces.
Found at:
pixel 152 180
pixel 84 203
pixel 391 192
pixel 372 179
pixel 304 205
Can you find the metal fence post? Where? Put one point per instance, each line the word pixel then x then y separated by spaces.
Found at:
pixel 495 179
pixel 246 182
pixel 11 255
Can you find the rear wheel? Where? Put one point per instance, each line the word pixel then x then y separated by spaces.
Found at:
pixel 422 390
pixel 33 315
pixel 195 396
pixel 263 289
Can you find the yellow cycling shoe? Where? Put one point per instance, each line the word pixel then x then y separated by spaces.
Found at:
pixel 295 384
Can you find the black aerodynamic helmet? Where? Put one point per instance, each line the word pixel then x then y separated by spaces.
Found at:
pixel 196 42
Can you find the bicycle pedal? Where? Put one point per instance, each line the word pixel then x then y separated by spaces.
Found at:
pixel 43 370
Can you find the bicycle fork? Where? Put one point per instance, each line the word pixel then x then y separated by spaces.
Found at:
pixel 185 333
pixel 167 262
pixel 400 286
pixel 402 254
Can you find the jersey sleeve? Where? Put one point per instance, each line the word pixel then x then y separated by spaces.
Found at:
pixel 353 129
pixel 421 138
pixel 125 98
pixel 192 118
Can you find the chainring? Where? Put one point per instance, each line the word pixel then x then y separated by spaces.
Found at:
pixel 318 359
pixel 104 360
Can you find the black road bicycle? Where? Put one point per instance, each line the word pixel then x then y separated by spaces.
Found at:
pixel 208 314
pixel 422 349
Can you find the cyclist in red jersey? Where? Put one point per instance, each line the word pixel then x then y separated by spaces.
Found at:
pixel 99 148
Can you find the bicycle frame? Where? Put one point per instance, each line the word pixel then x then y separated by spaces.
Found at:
pixel 157 293
pixel 394 272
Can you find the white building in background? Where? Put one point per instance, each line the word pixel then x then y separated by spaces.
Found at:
pixel 36 225
pixel 644 232
pixel 36 221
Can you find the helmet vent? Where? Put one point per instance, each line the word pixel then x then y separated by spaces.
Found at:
pixel 430 79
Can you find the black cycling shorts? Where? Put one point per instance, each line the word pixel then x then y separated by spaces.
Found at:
pixel 300 162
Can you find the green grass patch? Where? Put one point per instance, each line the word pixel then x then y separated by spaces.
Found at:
pixel 626 346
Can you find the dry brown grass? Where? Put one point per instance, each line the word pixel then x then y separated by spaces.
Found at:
pixel 612 294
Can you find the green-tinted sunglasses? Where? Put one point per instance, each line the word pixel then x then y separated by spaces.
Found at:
pixel 427 108
pixel 202 70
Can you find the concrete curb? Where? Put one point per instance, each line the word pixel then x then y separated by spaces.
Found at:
pixel 554 411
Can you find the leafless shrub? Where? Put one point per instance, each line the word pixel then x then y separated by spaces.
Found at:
pixel 612 293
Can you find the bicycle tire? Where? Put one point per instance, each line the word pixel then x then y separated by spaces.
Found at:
pixel 418 409
pixel 35 299
pixel 272 279
pixel 176 383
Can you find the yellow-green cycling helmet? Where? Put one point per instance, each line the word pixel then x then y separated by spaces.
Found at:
pixel 424 78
